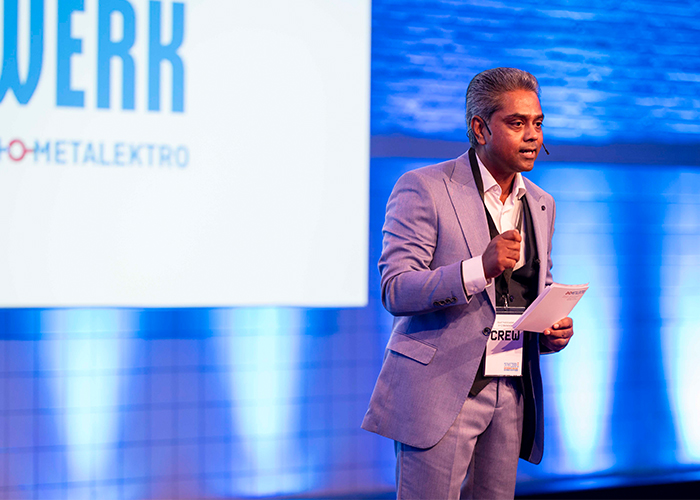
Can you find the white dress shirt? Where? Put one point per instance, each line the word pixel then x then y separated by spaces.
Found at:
pixel 506 216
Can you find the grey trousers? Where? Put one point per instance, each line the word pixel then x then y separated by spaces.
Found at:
pixel 478 456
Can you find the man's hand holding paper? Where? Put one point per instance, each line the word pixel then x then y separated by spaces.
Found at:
pixel 556 301
pixel 557 337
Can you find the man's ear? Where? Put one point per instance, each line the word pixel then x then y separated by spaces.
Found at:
pixel 478 128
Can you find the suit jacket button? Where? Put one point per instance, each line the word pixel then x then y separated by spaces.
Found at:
pixel 486 331
pixel 543 207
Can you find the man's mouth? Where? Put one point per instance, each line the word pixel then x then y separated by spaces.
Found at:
pixel 529 153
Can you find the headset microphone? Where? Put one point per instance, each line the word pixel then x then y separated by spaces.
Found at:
pixel 545 149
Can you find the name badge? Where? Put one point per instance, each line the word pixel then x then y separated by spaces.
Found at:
pixel 504 349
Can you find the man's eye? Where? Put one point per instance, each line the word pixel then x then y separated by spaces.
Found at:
pixel 518 124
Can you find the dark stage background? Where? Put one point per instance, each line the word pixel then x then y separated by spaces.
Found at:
pixel 259 402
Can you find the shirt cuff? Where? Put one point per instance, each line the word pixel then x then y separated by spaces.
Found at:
pixel 473 276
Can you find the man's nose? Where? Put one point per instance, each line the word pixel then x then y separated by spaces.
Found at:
pixel 532 133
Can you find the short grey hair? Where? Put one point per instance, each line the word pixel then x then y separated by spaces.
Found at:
pixel 485 90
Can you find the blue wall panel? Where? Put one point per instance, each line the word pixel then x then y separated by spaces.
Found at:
pixel 610 71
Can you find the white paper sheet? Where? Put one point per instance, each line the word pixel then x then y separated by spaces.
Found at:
pixel 555 303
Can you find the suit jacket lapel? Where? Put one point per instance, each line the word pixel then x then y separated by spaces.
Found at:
pixel 469 208
pixel 539 221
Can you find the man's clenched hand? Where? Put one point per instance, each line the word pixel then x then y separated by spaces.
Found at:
pixel 502 253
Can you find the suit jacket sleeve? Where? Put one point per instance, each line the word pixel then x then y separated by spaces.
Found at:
pixel 410 283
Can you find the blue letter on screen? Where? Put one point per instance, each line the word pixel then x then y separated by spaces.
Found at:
pixel 10 72
pixel 107 49
pixel 158 52
pixel 66 46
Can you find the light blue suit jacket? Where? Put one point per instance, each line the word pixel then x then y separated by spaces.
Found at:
pixel 435 219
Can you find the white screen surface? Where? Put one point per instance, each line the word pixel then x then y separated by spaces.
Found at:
pixel 256 193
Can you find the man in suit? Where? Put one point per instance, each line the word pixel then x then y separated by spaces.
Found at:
pixel 462 238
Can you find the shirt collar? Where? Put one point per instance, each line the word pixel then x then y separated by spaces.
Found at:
pixel 490 183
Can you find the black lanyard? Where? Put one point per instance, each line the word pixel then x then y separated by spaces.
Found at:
pixel 502 281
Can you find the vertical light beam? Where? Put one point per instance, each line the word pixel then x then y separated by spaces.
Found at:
pixel 582 373
pixel 264 354
pixel 680 296
pixel 87 355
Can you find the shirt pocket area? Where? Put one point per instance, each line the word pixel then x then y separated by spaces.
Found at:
pixel 411 348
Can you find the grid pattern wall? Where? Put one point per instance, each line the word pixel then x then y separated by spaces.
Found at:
pixel 186 404
pixel 191 403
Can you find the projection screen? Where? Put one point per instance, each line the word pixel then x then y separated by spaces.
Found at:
pixel 184 154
